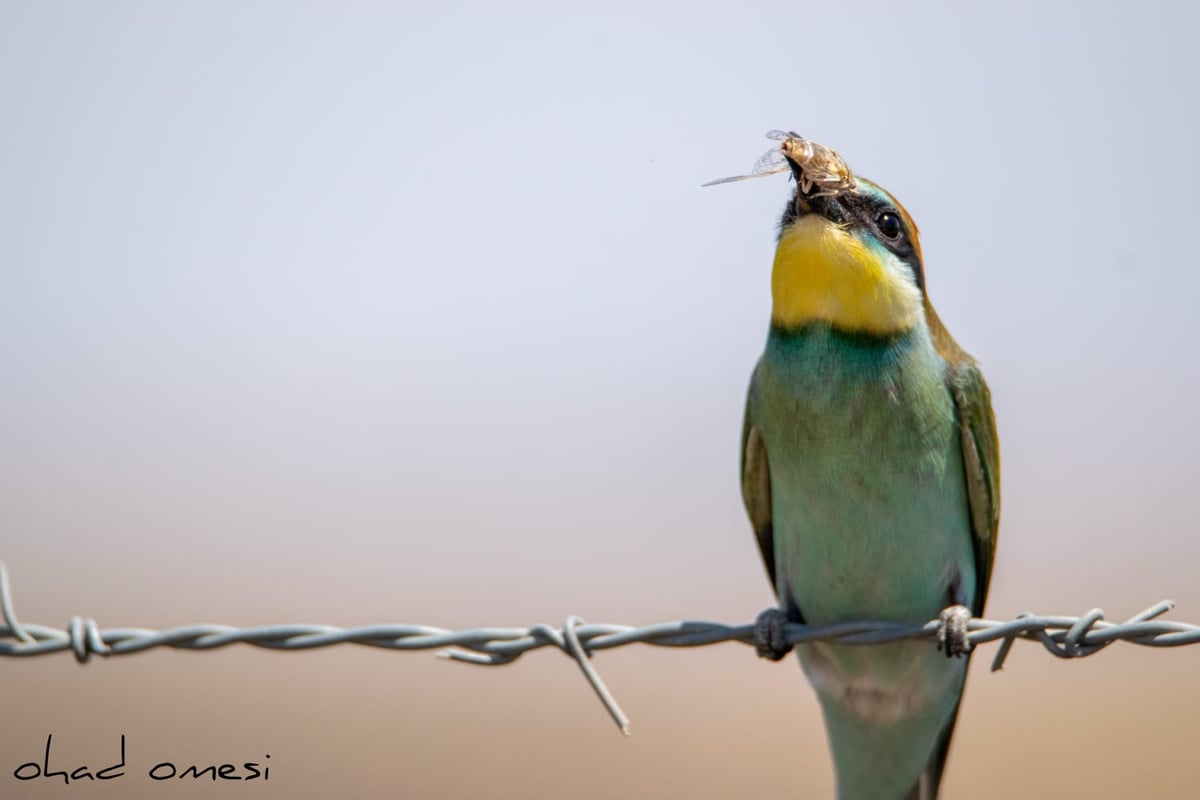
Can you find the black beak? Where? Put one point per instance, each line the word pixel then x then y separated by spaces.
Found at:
pixel 832 207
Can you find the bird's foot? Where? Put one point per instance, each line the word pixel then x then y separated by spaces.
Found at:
pixel 952 631
pixel 770 641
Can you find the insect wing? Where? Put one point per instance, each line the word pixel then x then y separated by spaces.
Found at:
pixel 769 163
pixel 732 179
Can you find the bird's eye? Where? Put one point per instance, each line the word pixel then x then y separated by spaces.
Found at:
pixel 889 224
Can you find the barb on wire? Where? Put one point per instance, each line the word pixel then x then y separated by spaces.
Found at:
pixel 1064 637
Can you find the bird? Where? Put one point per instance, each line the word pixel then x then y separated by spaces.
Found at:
pixel 870 472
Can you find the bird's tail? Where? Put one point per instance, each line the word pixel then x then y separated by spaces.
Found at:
pixel 926 787
pixel 875 761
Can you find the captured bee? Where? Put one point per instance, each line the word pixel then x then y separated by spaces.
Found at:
pixel 820 167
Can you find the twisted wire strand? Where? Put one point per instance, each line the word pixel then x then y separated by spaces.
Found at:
pixel 1062 636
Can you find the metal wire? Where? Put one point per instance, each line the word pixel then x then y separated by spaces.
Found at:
pixel 1064 637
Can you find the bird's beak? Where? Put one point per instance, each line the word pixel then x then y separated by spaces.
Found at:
pixel 822 178
pixel 815 201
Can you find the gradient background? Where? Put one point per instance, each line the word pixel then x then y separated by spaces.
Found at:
pixel 354 313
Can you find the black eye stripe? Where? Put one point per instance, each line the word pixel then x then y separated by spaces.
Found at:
pixel 893 234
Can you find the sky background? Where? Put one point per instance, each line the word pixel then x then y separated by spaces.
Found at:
pixel 355 313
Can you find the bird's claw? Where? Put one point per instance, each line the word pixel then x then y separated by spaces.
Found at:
pixel 952 631
pixel 770 640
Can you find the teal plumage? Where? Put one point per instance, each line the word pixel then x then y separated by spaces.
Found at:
pixel 866 446
pixel 867 482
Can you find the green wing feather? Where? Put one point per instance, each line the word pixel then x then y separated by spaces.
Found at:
pixel 980 448
pixel 981 460
pixel 756 488
pixel 981 463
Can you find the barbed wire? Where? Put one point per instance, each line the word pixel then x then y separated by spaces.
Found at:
pixel 1062 636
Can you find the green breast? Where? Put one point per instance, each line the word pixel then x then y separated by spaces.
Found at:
pixel 868 494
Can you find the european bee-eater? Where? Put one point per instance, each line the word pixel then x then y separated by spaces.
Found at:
pixel 870 471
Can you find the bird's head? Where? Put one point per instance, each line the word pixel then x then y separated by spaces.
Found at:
pixel 848 253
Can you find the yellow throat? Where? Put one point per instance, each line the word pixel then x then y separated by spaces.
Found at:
pixel 823 272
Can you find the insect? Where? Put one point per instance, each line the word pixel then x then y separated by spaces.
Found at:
pixel 820 167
